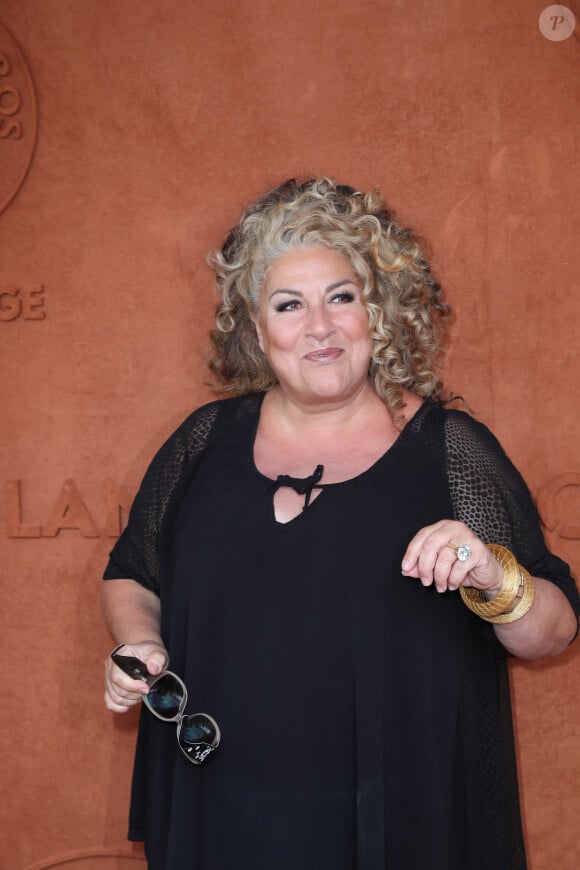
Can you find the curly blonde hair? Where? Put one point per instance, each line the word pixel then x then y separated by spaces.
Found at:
pixel 402 298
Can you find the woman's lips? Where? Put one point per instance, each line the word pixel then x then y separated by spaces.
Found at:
pixel 324 355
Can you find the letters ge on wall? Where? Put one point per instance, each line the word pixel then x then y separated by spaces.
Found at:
pixel 22 303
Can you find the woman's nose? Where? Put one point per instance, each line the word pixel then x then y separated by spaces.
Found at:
pixel 320 324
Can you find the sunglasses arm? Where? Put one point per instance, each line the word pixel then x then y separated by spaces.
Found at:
pixel 132 666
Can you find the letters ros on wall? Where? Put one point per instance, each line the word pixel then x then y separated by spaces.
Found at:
pixel 18 118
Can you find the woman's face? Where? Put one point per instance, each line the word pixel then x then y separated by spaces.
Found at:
pixel 313 327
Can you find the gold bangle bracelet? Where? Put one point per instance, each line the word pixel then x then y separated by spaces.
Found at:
pixel 523 604
pixel 505 599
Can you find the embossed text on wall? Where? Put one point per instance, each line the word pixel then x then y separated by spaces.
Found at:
pixel 558 502
pixel 69 510
pixel 26 303
pixel 18 118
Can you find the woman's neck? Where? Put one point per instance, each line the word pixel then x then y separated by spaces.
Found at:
pixel 293 415
pixel 309 420
pixel 345 440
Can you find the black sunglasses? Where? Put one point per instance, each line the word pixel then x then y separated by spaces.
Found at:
pixel 198 735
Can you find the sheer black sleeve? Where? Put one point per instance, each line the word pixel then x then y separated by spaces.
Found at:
pixel 135 556
pixel 490 496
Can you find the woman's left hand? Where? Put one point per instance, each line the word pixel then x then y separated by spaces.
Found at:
pixel 430 558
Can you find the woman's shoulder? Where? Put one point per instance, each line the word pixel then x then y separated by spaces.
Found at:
pixel 432 415
pixel 199 429
pixel 454 431
pixel 205 424
pixel 213 417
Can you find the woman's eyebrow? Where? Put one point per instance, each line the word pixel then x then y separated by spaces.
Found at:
pixel 284 290
pixel 338 284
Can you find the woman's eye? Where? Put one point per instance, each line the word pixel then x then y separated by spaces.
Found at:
pixel 289 305
pixel 346 296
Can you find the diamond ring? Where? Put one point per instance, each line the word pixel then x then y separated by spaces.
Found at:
pixel 463 551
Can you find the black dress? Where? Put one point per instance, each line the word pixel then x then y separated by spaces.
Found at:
pixel 365 719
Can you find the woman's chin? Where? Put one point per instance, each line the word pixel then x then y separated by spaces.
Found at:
pixel 325 390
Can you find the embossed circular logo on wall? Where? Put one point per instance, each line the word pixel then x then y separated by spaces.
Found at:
pixel 18 118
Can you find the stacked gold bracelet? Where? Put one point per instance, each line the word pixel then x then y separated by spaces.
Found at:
pixel 513 600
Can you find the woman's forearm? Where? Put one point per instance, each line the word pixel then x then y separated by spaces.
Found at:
pixel 546 629
pixel 131 612
pixel 132 615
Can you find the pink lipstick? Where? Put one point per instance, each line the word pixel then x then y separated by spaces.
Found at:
pixel 324 355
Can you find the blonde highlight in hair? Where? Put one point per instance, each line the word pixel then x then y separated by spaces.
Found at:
pixel 402 298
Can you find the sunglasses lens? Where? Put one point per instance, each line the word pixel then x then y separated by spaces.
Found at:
pixel 166 697
pixel 197 729
pixel 198 736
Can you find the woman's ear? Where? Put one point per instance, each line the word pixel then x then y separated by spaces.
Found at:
pixel 255 321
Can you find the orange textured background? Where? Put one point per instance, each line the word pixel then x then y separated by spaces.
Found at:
pixel 157 123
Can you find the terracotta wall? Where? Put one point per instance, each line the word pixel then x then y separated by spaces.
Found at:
pixel 155 123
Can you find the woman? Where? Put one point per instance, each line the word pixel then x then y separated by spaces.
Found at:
pixel 298 550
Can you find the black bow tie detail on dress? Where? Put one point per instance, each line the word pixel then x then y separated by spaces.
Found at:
pixel 302 485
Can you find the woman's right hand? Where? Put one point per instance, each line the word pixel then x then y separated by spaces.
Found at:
pixel 123 692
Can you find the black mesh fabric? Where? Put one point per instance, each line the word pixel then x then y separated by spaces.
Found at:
pixel 135 556
pixel 488 493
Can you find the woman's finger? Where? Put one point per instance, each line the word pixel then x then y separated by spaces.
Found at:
pixel 431 556
pixel 410 560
